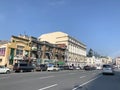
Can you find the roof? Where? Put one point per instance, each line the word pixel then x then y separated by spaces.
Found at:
pixel 3 42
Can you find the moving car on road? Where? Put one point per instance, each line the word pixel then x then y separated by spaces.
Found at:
pixel 4 69
pixel 108 69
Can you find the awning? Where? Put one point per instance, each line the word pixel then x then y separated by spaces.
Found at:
pixel 61 62
pixel 48 61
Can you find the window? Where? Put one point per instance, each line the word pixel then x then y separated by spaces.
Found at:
pixel 2 51
pixel 19 50
pixel 0 60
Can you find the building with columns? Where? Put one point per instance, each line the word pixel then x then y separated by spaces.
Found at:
pixel 76 50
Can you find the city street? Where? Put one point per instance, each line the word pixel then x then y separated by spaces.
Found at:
pixel 62 80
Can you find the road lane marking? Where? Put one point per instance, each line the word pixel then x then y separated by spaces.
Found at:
pixel 48 87
pixel 93 73
pixel 71 73
pixel 86 82
pixel 3 77
pixel 46 77
pixel 82 76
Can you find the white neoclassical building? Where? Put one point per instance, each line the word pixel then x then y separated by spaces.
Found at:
pixel 76 50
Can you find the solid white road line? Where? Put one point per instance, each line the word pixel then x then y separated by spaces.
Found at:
pixel 82 76
pixel 48 87
pixel 46 77
pixel 86 82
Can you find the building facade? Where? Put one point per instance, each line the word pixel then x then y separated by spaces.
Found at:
pixel 75 52
pixel 30 49
pixel 106 60
pixel 3 54
pixel 94 62
pixel 117 62
pixel 14 51
pixel 98 61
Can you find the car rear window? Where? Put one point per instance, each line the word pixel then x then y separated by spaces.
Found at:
pixel 106 66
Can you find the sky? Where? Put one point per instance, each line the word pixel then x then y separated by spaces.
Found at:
pixel 96 23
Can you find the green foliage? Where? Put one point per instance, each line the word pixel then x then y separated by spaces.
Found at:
pixel 90 53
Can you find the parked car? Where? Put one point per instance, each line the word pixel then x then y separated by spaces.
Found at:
pixel 93 68
pixel 77 68
pixel 108 69
pixel 87 67
pixel 23 66
pixel 4 69
pixel 41 67
pixel 98 67
pixel 61 67
pixel 53 68
pixel 68 68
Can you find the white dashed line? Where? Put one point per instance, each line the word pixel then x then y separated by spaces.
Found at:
pixel 86 82
pixel 48 87
pixel 46 77
pixel 82 76
pixel 71 73
pixel 3 77
pixel 93 73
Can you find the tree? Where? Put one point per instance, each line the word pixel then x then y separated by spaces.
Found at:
pixel 90 53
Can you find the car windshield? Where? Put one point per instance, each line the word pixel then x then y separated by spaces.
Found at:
pixel 2 66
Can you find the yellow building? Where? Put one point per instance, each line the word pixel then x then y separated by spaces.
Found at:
pixel 76 51
pixel 15 50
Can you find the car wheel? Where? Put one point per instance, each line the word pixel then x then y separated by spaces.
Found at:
pixel 21 71
pixel 7 72
pixel 32 70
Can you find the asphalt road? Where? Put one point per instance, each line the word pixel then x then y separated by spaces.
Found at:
pixel 62 80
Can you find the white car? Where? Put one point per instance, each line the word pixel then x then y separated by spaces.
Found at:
pixel 4 69
pixel 108 69
pixel 98 67
pixel 53 68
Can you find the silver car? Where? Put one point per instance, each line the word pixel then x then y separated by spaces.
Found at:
pixel 108 69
